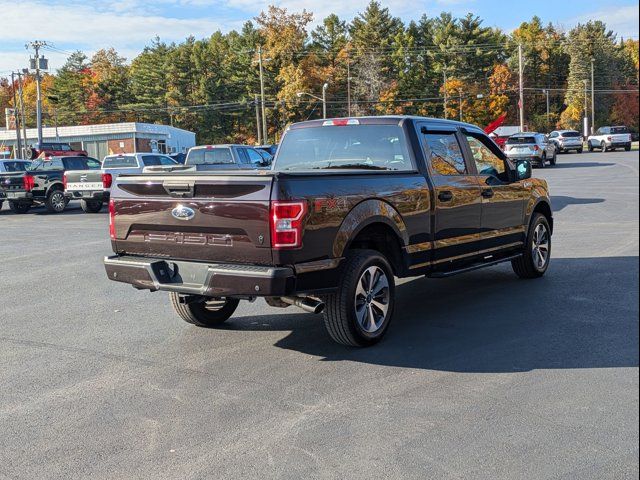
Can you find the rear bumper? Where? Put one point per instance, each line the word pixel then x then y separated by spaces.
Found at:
pixel 22 197
pixel 618 144
pixel 100 196
pixel 197 278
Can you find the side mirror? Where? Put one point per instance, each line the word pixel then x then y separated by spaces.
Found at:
pixel 523 169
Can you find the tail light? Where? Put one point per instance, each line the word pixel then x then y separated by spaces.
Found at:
pixel 536 148
pixel 286 223
pixel 106 180
pixel 112 219
pixel 64 180
pixel 609 139
pixel 28 182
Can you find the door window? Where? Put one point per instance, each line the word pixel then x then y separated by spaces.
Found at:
pixel 254 157
pixel 445 154
pixel 487 162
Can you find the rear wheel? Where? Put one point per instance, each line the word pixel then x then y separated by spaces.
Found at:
pixel 627 148
pixel 17 207
pixel 537 251
pixel 55 202
pixel 553 159
pixel 203 311
pixel 359 313
pixel 91 206
pixel 543 160
pixel 579 150
pixel 589 146
pixel 603 147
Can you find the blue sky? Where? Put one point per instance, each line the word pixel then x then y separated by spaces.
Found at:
pixel 128 25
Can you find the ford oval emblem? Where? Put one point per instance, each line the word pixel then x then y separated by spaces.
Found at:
pixel 183 213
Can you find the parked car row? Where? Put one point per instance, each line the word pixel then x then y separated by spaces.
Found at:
pixel 53 181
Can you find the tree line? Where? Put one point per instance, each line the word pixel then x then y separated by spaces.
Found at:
pixel 375 64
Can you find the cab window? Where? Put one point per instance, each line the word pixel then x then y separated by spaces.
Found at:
pixel 487 162
pixel 445 155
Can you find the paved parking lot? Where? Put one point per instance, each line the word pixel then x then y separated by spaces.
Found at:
pixel 481 375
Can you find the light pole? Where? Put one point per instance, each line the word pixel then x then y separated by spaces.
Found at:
pixel 323 99
pixel 586 112
pixel 593 99
pixel 36 63
pixel 546 92
pixel 54 100
pixel 16 119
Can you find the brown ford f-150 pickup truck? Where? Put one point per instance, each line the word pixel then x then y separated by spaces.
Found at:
pixel 349 205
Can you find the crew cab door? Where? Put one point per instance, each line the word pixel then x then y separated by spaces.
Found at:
pixel 502 218
pixel 456 191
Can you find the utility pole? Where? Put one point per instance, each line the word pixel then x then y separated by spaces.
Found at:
pixel 444 75
pixel 54 99
pixel 264 117
pixel 460 104
pixel 521 87
pixel 16 121
pixel 324 100
pixel 36 45
pixel 593 99
pixel 348 86
pixel 22 116
pixel 546 92
pixel 259 130
pixel 586 110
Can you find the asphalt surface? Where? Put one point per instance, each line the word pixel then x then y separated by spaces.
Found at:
pixel 480 376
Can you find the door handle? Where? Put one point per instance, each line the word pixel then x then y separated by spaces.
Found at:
pixel 487 193
pixel 445 196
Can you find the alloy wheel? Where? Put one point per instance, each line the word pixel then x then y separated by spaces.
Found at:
pixel 372 299
pixel 540 247
pixel 57 201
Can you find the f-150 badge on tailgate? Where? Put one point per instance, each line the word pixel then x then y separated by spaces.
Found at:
pixel 183 213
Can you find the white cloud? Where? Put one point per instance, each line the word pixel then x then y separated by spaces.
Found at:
pixel 622 20
pixel 81 25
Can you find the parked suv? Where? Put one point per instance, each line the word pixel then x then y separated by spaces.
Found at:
pixel 534 147
pixel 50 149
pixel 610 138
pixel 566 140
pixel 349 205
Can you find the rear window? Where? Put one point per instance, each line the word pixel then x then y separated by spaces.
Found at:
pixel 15 166
pixel 120 161
pixel 619 130
pixel 521 140
pixel 209 156
pixel 360 147
pixel 570 134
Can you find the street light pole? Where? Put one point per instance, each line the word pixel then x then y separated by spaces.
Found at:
pixel 22 115
pixel 593 99
pixel 348 86
pixel 586 111
pixel 264 117
pixel 36 45
pixel 16 121
pixel 521 86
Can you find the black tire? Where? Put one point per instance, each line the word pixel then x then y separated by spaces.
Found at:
pixel 32 154
pixel 589 146
pixel 554 159
pixel 579 150
pixel 526 266
pixel 201 314
pixel 1 205
pixel 603 147
pixel 340 318
pixel 543 160
pixel 91 206
pixel 627 148
pixel 56 201
pixel 18 207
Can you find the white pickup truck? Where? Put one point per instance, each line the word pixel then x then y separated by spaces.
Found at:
pixel 610 138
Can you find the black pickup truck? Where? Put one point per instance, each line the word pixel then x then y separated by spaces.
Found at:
pixel 42 184
pixel 349 205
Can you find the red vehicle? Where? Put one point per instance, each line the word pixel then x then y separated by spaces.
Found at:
pixel 50 149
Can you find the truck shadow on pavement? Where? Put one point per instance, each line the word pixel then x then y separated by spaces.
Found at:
pixel 582 314
pixel 558 202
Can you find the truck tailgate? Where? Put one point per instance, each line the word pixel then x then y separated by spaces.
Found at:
pixel 209 218
pixel 83 180
pixel 11 182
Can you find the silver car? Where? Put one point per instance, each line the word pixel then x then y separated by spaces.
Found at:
pixel 134 163
pixel 565 140
pixel 531 146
